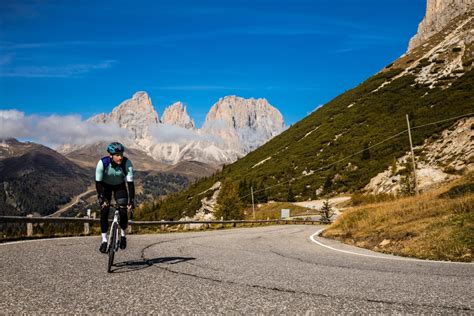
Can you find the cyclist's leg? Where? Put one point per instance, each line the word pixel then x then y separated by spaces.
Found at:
pixel 121 197
pixel 104 211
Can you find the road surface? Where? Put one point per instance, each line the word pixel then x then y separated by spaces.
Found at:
pixel 269 270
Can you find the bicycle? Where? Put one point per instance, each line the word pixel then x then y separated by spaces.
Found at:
pixel 114 240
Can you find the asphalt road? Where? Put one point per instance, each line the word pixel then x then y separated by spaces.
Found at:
pixel 269 270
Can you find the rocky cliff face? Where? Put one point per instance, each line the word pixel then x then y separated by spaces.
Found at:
pixel 441 158
pixel 244 124
pixel 136 115
pixel 443 57
pixel 438 14
pixel 176 114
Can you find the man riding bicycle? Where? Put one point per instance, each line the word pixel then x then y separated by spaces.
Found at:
pixel 111 174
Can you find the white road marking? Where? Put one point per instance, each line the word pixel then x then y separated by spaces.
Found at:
pixel 41 239
pixel 312 238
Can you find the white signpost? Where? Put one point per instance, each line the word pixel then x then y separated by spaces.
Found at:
pixel 285 213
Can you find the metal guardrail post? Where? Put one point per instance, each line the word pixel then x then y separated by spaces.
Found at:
pixel 162 226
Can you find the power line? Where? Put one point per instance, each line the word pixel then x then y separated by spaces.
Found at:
pixel 449 119
pixel 359 152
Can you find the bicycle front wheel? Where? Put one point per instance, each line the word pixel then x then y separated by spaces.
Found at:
pixel 111 248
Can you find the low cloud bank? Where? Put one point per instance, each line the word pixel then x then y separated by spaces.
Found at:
pixel 56 130
pixel 165 133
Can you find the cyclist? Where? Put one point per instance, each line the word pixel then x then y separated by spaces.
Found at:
pixel 110 176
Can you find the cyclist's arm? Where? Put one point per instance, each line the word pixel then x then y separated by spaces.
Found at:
pixel 131 191
pixel 130 183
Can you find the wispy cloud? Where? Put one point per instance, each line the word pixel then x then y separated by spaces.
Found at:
pixel 6 59
pixel 51 130
pixel 66 71
pixel 165 133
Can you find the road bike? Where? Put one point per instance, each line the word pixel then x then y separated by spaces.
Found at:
pixel 113 244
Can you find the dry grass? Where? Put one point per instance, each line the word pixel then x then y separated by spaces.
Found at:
pixel 426 226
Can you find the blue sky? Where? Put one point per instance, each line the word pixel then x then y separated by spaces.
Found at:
pixel 85 57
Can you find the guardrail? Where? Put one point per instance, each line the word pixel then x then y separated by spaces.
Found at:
pixel 29 220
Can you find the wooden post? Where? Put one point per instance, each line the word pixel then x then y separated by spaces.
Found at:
pixel 412 156
pixel 253 204
pixel 29 227
pixel 86 225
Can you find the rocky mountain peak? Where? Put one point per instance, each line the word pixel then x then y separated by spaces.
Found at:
pixel 136 114
pixel 243 123
pixel 176 114
pixel 238 112
pixel 438 14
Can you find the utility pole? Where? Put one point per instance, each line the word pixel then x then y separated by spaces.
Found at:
pixel 253 205
pixel 412 156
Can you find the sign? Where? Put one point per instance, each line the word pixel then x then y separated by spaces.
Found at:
pixel 285 213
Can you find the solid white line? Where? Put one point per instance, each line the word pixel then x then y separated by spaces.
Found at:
pixel 41 239
pixel 375 256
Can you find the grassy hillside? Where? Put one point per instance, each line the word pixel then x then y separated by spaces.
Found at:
pixel 435 225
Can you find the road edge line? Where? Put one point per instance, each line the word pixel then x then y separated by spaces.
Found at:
pixel 379 257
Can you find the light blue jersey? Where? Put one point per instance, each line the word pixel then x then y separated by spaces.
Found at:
pixel 113 175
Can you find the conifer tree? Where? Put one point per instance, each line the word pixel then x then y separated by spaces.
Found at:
pixel 229 205
pixel 291 196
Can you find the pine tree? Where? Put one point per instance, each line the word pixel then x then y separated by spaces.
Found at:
pixel 291 196
pixel 229 205
pixel 394 166
pixel 327 184
pixel 366 152
pixel 326 213
pixel 261 194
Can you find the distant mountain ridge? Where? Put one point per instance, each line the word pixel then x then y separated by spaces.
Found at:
pixel 36 179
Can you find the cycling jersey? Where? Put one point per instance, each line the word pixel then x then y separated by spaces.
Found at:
pixel 114 174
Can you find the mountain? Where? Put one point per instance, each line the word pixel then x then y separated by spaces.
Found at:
pixel 243 124
pixel 136 114
pixel 176 114
pixel 439 13
pixel 36 179
pixel 234 126
pixel 345 143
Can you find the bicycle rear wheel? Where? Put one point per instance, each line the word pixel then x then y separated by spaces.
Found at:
pixel 111 248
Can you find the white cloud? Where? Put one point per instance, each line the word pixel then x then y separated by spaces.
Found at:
pixel 164 133
pixel 56 130
pixel 65 71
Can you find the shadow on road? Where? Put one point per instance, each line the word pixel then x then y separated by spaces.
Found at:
pixel 134 265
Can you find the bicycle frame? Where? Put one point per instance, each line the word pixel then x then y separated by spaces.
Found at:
pixel 114 240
